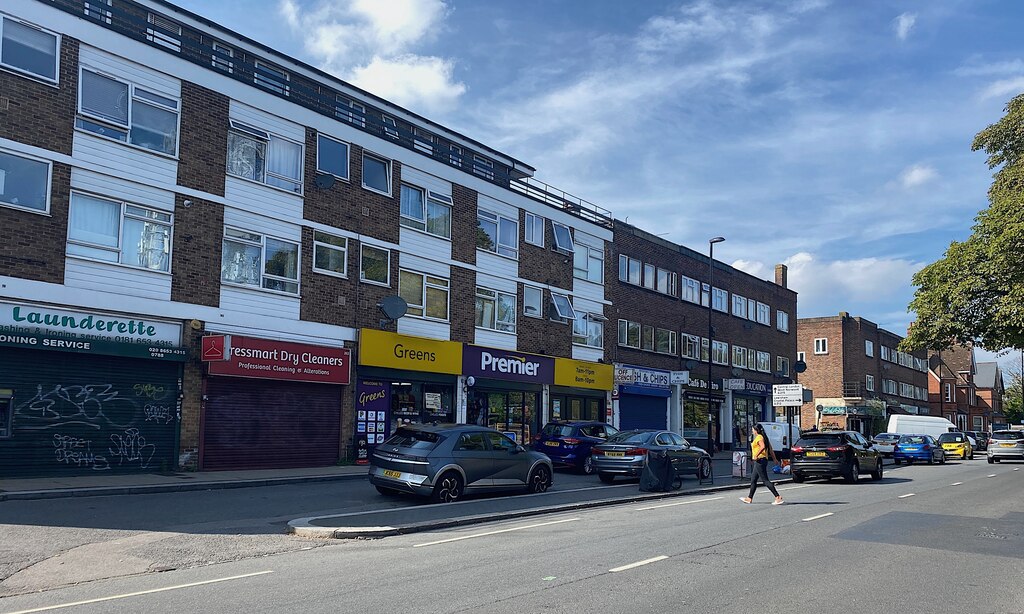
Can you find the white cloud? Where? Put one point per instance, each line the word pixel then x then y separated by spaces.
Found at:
pixel 977 69
pixel 917 175
pixel 904 24
pixel 372 44
pixel 1004 88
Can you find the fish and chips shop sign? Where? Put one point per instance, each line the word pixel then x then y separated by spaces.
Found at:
pixel 639 376
pixel 36 327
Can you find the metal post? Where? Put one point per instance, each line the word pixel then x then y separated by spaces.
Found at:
pixel 711 330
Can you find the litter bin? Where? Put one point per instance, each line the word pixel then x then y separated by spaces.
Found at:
pixel 740 465
pixel 658 474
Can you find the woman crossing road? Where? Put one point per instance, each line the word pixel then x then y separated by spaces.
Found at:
pixel 759 451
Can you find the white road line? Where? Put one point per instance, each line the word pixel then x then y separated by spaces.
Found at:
pixel 795 487
pixel 909 494
pixel 654 507
pixel 826 515
pixel 991 475
pixel 1017 469
pixel 956 483
pixel 136 594
pixel 639 563
pixel 530 526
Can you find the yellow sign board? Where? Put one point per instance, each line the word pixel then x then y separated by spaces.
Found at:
pixel 383 349
pixel 583 374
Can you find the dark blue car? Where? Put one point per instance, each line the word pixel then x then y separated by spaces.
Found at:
pixel 923 448
pixel 568 444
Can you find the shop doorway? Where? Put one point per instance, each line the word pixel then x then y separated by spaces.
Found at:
pixel 564 407
pixel 513 412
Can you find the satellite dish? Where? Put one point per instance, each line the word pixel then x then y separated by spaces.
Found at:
pixel 736 372
pixel 800 366
pixel 393 307
pixel 324 182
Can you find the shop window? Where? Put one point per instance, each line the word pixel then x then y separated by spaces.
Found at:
pixel 426 295
pixel 534 229
pixel 28 49
pixel 251 259
pixel 514 412
pixel 258 155
pixel 121 111
pixel 533 302
pixel 376 173
pixel 588 263
pixel 421 402
pixel 24 182
pixel 495 310
pixel 332 156
pixel 426 210
pixel 330 254
pixel 6 412
pixel 497 234
pixel 119 232
pixel 374 265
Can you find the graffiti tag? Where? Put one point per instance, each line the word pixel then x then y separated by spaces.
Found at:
pixel 77 451
pixel 131 447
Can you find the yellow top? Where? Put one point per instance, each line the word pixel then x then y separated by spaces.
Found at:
pixel 757 448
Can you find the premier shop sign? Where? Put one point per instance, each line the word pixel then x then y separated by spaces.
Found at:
pixel 493 363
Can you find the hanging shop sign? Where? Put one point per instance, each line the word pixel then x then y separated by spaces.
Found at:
pixel 215 348
pixel 583 374
pixel 758 388
pixel 493 363
pixel 297 362
pixel 384 349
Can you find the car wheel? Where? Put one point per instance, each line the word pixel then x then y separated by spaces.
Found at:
pixel 931 459
pixel 587 466
pixel 996 460
pixel 540 480
pixel 991 460
pixel 896 461
pixel 877 473
pixel 798 478
pixel 448 488
pixel 972 456
pixel 703 469
pixel 852 474
pixel 942 461
pixel 607 478
pixel 388 492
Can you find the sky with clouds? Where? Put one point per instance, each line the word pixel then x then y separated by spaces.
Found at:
pixel 832 136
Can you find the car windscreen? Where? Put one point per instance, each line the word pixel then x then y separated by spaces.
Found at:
pixel 951 438
pixel 630 437
pixel 818 441
pixel 886 437
pixel 1008 436
pixel 913 439
pixel 557 430
pixel 413 438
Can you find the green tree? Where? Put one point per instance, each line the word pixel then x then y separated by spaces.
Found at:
pixel 975 293
pixel 1013 404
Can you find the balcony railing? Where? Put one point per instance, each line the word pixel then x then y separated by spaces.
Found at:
pixel 856 389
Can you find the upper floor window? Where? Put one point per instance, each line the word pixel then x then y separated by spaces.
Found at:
pixel 800 356
pixel 164 32
pixel 483 167
pixel 869 383
pixel 666 283
pixel 764 314
pixel 376 173
pixel 650 280
pixel 253 259
pixel 455 155
pixel 720 352
pixel 390 126
pixel 495 310
pixel 821 345
pixel 423 141
pixel 98 10
pixel 563 238
pixel 647 338
pixel 271 78
pixel 28 49
pixel 426 295
pixel 375 265
pixel 426 210
pixel 332 156
pixel 782 366
pixel 350 111
pixel 739 306
pixel 258 155
pixel 691 289
pixel 563 311
pixel 121 111
pixel 629 269
pixel 869 347
pixel 534 230
pixel 116 231
pixel 497 234
pixel 720 300
pixel 24 182
pixel 533 301
pixel 764 362
pixel 222 57
pixel 665 341
pixel 330 254
pixel 782 321
pixel 588 263
pixel 588 330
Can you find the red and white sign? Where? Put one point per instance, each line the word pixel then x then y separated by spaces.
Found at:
pixel 216 348
pixel 297 362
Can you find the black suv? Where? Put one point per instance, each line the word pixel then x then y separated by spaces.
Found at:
pixel 830 454
pixel 981 438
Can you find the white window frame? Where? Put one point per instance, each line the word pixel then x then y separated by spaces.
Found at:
pixel 4 19
pixel 387 172
pixel 592 256
pixel 671 281
pixel 691 289
pixel 348 153
pixel 423 141
pixel 589 323
pixel 494 297
pixel 427 282
pixel 739 306
pixel 511 251
pixel 346 109
pixel 801 357
pixel 564 312
pixel 267 139
pixel 93 10
pixel 483 167
pixel 869 348
pixel 647 335
pixel 219 62
pixel 261 242
pixel 626 267
pixel 427 198
pixel 764 314
pixel 739 356
pixel 163 39
pixel 751 310
pixel 455 155
pixel 720 352
pixel 782 321
pixel 947 393
pixel 390 125
pixel 821 345
pixel 119 250
pixel 650 276
pixel 283 86
pixel 133 97
pixel 625 326
pixel 362 274
pixel 528 302
pixel 782 365
pixel 869 383
pixel 560 241
pixel 764 362
pixel 533 229
pixel 673 349
pixel 47 188
pixel 330 247
pixel 720 300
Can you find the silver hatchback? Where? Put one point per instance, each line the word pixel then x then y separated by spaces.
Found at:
pixel 1005 445
pixel 446 461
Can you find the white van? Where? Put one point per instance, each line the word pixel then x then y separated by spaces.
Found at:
pixel 781 436
pixel 920 425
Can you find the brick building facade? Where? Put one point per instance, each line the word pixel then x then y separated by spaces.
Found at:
pixel 967 393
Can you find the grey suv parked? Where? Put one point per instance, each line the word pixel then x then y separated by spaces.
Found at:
pixel 1005 445
pixel 445 461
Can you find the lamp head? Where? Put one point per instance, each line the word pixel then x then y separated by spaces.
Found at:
pixel 716 240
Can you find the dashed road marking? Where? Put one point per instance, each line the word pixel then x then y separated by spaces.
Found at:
pixel 909 494
pixel 654 507
pixel 639 563
pixel 529 526
pixel 956 483
pixel 991 475
pixel 826 515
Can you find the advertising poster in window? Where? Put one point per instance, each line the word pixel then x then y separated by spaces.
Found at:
pixel 373 404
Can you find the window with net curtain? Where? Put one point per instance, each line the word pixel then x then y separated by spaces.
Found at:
pixel 495 310
pixel 113 231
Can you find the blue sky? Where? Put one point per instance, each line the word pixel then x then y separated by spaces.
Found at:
pixel 832 136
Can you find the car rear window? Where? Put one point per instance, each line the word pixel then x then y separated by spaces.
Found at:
pixel 557 430
pixel 1008 436
pixel 913 439
pixel 412 438
pixel 820 440
pixel 951 438
pixel 886 437
pixel 630 437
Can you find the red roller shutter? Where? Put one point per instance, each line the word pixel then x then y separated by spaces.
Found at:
pixel 270 424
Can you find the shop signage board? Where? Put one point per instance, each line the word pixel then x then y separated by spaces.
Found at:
pixel 760 388
pixel 385 349
pixel 787 395
pixel 215 348
pixel 91 346
pixel 735 384
pixel 679 377
pixel 373 409
pixel 834 411
pixel 284 360
pixel 640 376
pixel 26 318
pixel 493 363
pixel 583 374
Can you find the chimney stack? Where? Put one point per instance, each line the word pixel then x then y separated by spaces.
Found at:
pixel 781 275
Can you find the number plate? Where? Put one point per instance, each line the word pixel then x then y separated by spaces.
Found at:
pixel 553 444
pixel 392 474
pixel 816 454
pixel 1007 445
pixel 615 454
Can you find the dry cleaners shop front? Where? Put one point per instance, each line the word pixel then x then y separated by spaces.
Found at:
pixel 84 392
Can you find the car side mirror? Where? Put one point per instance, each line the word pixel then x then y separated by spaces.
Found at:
pixel 518 449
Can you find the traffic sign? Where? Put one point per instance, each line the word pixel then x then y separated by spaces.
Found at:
pixel 784 395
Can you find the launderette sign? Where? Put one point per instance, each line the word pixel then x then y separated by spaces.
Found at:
pixel 34 319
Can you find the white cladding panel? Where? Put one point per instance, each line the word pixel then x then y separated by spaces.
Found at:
pixel 115 187
pixel 418 243
pixel 580 352
pixel 584 289
pixel 420 179
pixel 495 265
pixel 496 206
pixel 424 265
pixel 589 240
pixel 262 199
pixel 424 328
pixel 271 123
pixel 258 303
pixel 116 279
pixel 139 75
pixel 504 284
pixel 494 339
pixel 124 160
pixel 245 220
pixel 590 306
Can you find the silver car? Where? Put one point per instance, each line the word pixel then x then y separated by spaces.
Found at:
pixel 446 461
pixel 625 454
pixel 1005 445
pixel 885 443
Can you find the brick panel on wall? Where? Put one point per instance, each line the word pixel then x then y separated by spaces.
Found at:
pixel 542 335
pixel 39 114
pixel 34 244
pixel 196 260
pixel 543 264
pixel 204 139
pixel 464 224
pixel 462 305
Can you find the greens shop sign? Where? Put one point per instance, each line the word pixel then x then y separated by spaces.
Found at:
pixel 75 326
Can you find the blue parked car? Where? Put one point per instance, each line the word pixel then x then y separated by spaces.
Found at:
pixel 912 448
pixel 568 444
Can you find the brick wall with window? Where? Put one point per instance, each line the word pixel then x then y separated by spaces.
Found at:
pixel 543 264
pixel 34 244
pixel 541 335
pixel 41 114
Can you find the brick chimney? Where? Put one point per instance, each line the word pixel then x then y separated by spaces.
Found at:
pixel 781 275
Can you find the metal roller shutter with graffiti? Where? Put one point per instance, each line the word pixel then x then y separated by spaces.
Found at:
pixel 75 414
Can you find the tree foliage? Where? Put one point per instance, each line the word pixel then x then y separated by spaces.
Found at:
pixel 1013 403
pixel 975 293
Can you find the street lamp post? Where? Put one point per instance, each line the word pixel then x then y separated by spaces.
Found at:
pixel 711 333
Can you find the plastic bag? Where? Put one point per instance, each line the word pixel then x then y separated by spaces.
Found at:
pixel 776 468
